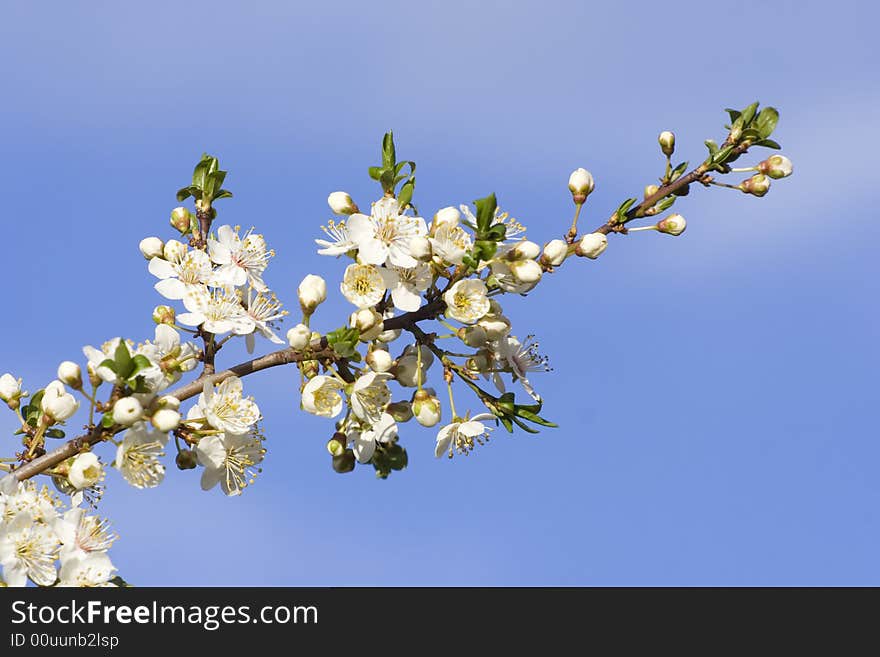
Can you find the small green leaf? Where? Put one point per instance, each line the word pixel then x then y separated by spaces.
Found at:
pixel 677 171
pixel 387 179
pixel 389 156
pixel 768 143
pixel 712 146
pixel 124 363
pixel 184 193
pixel 534 417
pixel 109 363
pixel 665 204
pixel 107 420
pixel 55 433
pixel 485 213
pixel 507 423
pixel 497 233
pixel 525 427
pixel 766 121
pixel 223 193
pixel 375 172
pixel 748 114
pixel 406 193
pixel 734 114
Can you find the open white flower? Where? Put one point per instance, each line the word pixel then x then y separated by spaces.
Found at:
pixel 218 311
pixel 85 471
pixel 384 235
pixel 184 272
pixel 229 460
pixel 171 357
pixel 340 241
pixel 28 549
pixel 96 357
pixel 94 569
pixel 466 301
pixel 370 395
pixel 462 435
pixel 81 534
pixel 363 285
pixel 263 310
pixel 241 260
pixel 39 504
pixel 451 243
pixel 383 431
pixel 520 359
pixel 137 457
pixel 225 408
pixel 321 396
pixel 406 285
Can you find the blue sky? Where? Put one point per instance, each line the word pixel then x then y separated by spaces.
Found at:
pixel 716 393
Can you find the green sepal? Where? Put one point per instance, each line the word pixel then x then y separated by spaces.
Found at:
pixel 522 425
pixel 107 420
pixel 55 433
pixel 124 362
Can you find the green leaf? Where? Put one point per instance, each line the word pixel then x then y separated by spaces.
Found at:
pixel 748 114
pixel 387 179
pixel 406 193
pixel 768 143
pixel 124 363
pixel 722 155
pixel 497 233
pixel 712 146
pixel 55 433
pixel 141 363
pixel 184 193
pixel 677 171
pixel 485 213
pixel 223 193
pixel 109 363
pixel 389 156
pixel 734 114
pixel 623 208
pixel 375 172
pixel 485 249
pixel 766 121
pixel 665 204
pixel 507 423
pixel 525 427
pixel 534 417
pixel 107 420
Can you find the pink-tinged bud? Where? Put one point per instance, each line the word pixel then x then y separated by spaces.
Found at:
pixel 151 247
pixel 592 245
pixel 181 220
pixel 340 203
pixel 757 185
pixel 667 143
pixel 674 224
pixel 776 166
pixel 581 185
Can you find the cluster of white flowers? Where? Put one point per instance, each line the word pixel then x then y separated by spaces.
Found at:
pixel 50 548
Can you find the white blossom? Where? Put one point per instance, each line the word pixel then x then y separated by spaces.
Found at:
pixel 520 359
pixel 363 285
pixel 312 292
pixel 384 236
pixel 299 337
pixel 171 358
pixel 90 570
pixel 165 419
pixel 321 396
pixel 340 203
pixel 137 457
pixel 81 534
pixel 461 435
pixel 85 470
pixel 384 430
pixel 70 374
pixel 57 403
pixel 96 357
pixel 182 273
pixel 555 252
pixel 466 301
pixel 580 182
pixel 263 310
pixel 370 395
pixel 230 460
pixel 241 260
pixel 225 408
pixel 340 241
pixel 592 245
pixel 450 243
pixel 152 247
pixel 127 411
pixel 217 311
pixel 406 285
pixel 10 388
pixel 28 549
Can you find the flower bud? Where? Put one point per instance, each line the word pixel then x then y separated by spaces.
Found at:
pixel 151 247
pixel 776 166
pixel 368 323
pixel 581 185
pixel 127 411
pixel 173 250
pixel 667 143
pixel 480 362
pixel 312 292
pixel 449 216
pixel 674 224
pixel 496 327
pixel 85 470
pixel 10 390
pixel 165 419
pixel 94 379
pixel 401 411
pixel 186 459
pixel 164 315
pixel 555 253
pixel 336 445
pixel 420 248
pixel 57 403
pixel 299 337
pixel 757 185
pixel 70 374
pixel 592 245
pixel 523 250
pixel 650 190
pixel 344 462
pixel 181 220
pixel 426 408
pixel 309 368
pixel 341 203
pixel 167 401
pixel 526 271
pixel 473 336
pixel 379 360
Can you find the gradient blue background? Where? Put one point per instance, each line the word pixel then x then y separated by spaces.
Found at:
pixel 717 393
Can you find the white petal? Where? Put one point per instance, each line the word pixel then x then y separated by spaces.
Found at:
pixel 405 298
pixel 171 288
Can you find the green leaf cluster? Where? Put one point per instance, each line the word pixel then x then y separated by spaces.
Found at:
pixel 391 172
pixel 128 368
pixel 207 182
pixel 748 126
pixel 344 342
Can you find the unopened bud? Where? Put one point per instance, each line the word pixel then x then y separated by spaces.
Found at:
pixel 496 327
pixel 674 224
pixel 127 411
pixel 151 247
pixel 473 336
pixel 426 408
pixel 523 250
pixel 650 190
pixel 379 360
pixel 344 462
pixel 167 401
pixel 341 203
pixel 336 445
pixel 186 459
pixel 581 185
pixel 165 419
pixel 70 374
pixel 401 411
pixel 449 216
pixel 10 391
pixel 480 362
pixel 555 253
pixel 312 292
pixel 94 379
pixel 299 337
pixel 420 248
pixel 173 250
pixel 757 185
pixel 85 470
pixel 181 220
pixel 368 323
pixel 592 245
pixel 667 143
pixel 164 315
pixel 776 166
pixel 526 271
